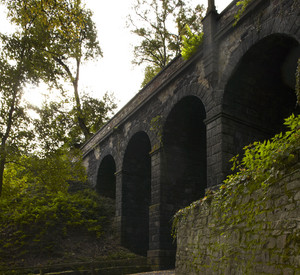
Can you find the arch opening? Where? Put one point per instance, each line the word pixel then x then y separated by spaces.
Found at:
pixel 136 194
pixel 184 159
pixel 260 92
pixel 106 180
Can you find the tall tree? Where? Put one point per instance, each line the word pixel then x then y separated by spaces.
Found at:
pixel 15 70
pixel 52 40
pixel 56 124
pixel 161 25
pixel 65 36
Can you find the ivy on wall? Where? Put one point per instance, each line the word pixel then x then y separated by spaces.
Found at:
pixel 243 5
pixel 241 205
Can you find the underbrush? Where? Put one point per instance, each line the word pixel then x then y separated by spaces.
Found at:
pixel 39 224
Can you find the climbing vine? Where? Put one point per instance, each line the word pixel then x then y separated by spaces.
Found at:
pixel 243 5
pixel 240 202
pixel 243 196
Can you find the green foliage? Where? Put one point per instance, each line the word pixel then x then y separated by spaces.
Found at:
pixel 241 199
pixel 57 123
pixel 160 26
pixel 15 126
pixel 243 196
pixel 62 35
pixel 35 222
pixel 262 164
pixel 150 73
pixel 60 28
pixel 38 210
pixel 263 161
pixel 190 43
pixel 243 4
pixel 51 40
pixel 97 112
pixel 15 69
pixel 51 172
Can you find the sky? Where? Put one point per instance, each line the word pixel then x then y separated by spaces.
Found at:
pixel 115 72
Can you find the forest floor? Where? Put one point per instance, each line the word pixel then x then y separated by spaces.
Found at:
pixel 77 248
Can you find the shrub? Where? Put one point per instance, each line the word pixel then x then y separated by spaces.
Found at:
pixel 35 221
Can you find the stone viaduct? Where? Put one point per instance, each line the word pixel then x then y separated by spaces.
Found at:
pixel 174 139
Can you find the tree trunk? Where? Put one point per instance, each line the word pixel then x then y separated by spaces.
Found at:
pixel 80 118
pixel 5 137
pixel 2 165
pixel 9 123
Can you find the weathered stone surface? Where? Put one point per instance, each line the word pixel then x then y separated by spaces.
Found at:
pixel 193 117
pixel 276 251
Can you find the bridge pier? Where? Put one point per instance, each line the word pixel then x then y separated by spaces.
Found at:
pixel 118 215
pixel 214 150
pixel 158 257
pixel 155 206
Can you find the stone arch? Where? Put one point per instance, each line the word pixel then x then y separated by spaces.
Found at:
pixel 136 193
pixel 276 25
pixel 106 180
pixel 200 90
pixel 184 159
pixel 259 94
pixel 137 126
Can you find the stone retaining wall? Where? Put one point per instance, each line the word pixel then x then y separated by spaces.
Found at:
pixel 270 246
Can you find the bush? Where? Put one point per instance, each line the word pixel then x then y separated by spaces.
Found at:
pixel 190 43
pixel 35 221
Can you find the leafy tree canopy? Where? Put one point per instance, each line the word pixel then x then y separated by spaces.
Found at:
pixel 51 40
pixel 150 73
pixel 57 125
pixel 63 35
pixel 160 25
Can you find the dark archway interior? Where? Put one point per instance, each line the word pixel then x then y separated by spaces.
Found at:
pixel 106 180
pixel 260 92
pixel 184 143
pixel 136 194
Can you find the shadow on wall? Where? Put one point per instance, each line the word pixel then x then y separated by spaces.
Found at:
pixel 184 161
pixel 136 194
pixel 106 180
pixel 260 92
